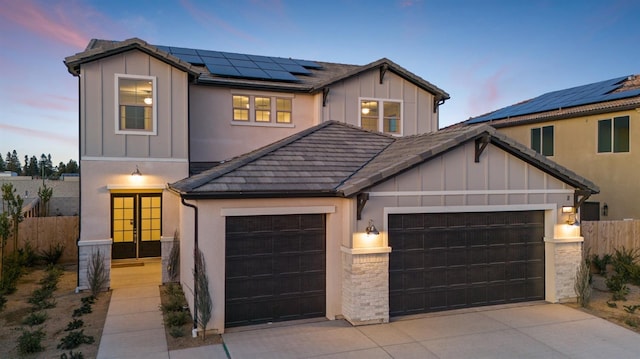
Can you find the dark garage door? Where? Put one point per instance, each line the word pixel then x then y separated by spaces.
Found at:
pixel 275 268
pixel 443 261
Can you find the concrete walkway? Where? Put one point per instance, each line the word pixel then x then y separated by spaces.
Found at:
pixel 134 329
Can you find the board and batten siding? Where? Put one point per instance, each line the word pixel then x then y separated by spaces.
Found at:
pixel 98 106
pixel 343 102
pixel 454 179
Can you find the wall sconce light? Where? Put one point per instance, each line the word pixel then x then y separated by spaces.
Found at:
pixel 605 210
pixel 567 209
pixel 371 229
pixel 573 221
pixel 148 100
pixel 137 172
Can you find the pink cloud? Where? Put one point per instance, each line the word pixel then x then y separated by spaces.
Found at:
pixel 34 18
pixel 33 133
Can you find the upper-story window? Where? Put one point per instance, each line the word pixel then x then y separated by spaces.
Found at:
pixel 613 135
pixel 542 140
pixel 136 111
pixel 380 115
pixel 257 109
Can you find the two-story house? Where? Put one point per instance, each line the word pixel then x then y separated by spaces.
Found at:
pixel 312 189
pixel 590 129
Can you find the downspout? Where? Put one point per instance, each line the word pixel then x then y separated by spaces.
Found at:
pixel 194 331
pixel 79 181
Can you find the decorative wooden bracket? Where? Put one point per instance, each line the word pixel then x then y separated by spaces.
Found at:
pixel 325 94
pixel 579 197
pixel 436 103
pixel 383 71
pixel 481 144
pixel 362 200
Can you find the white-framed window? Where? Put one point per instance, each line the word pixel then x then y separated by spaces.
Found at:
pixel 136 110
pixel 258 110
pixel 381 115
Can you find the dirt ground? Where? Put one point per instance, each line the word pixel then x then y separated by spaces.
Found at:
pixel 17 308
pixel 602 305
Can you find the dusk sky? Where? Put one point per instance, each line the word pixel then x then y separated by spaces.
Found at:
pixel 485 54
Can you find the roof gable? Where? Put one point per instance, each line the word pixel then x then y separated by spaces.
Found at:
pixel 599 92
pixel 245 70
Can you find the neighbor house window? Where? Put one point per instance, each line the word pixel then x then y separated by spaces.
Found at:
pixel 258 110
pixel 613 135
pixel 382 116
pixel 542 140
pixel 136 106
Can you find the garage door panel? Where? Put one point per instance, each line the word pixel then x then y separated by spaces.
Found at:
pixel 470 259
pixel 275 268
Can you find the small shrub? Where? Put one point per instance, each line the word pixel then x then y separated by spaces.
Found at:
pixel 12 270
pixel 631 308
pixel 617 286
pixel 28 256
pixel 97 274
pixel 173 267
pixel 30 341
pixel 173 304
pixel 632 321
pixel 611 304
pixel 88 299
pixel 35 318
pixel 84 309
pixel 53 254
pixel 176 332
pixel 600 263
pixel 173 289
pixel 39 295
pixel 176 319
pixel 74 340
pixel 74 324
pixel 622 259
pixel 72 355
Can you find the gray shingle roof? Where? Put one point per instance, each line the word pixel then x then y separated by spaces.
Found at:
pixel 318 79
pixel 335 159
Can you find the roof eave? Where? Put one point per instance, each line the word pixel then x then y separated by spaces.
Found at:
pixel 257 194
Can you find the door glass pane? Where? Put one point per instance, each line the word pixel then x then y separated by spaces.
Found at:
pixel 604 136
pixel 621 134
pixel 151 218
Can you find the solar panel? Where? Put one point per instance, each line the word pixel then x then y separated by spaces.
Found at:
pixel 244 66
pixel 281 75
pixel 223 70
pixel 576 96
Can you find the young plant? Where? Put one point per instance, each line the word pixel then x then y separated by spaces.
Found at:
pixel 173 267
pixel 582 285
pixel 72 355
pixel 74 324
pixel 75 339
pixel 53 254
pixel 35 318
pixel 30 341
pixel 97 274
pixel 203 301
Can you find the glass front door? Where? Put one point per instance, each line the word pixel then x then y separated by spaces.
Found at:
pixel 136 225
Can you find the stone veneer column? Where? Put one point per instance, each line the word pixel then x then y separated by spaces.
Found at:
pixel 563 254
pixel 86 249
pixel 365 285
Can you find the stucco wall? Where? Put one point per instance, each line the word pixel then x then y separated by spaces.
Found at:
pixel 575 147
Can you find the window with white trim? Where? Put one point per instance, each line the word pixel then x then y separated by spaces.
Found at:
pixel 382 116
pixel 136 111
pixel 258 109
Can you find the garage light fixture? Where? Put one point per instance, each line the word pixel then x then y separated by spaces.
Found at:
pixel 567 209
pixel 137 172
pixel 371 229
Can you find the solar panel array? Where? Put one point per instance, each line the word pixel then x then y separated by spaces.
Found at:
pixel 244 66
pixel 576 96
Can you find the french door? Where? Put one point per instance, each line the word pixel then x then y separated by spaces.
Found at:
pixel 136 225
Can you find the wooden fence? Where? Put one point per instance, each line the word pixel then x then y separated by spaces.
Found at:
pixel 42 232
pixel 604 237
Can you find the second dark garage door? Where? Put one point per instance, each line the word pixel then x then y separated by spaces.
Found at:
pixel 275 268
pixel 443 261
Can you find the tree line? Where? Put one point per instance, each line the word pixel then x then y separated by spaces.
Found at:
pixel 42 167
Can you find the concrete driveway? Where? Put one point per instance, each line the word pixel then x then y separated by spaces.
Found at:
pixel 534 330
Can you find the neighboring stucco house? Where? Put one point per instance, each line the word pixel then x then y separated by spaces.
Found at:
pixel 591 129
pixel 313 189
